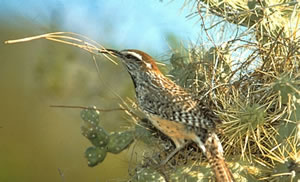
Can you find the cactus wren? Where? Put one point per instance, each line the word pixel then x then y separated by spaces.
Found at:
pixel 173 110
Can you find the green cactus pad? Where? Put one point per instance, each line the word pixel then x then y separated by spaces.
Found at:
pixel 96 134
pixel 119 141
pixel 191 174
pixel 288 171
pixel 253 114
pixel 286 86
pixel 95 155
pixel 90 115
pixel 146 174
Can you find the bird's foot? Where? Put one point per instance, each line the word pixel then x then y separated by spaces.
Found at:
pixel 177 149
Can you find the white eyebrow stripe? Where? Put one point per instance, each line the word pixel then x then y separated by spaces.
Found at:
pixel 136 55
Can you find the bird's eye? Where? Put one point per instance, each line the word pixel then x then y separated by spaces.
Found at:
pixel 129 56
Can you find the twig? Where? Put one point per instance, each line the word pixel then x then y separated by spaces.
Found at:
pixel 83 107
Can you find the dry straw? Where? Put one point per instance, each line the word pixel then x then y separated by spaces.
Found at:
pixel 69 38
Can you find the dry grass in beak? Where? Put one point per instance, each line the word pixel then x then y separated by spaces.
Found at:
pixel 70 38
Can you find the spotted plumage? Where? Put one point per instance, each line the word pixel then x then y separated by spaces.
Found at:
pixel 173 110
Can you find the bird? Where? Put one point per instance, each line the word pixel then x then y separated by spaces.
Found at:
pixel 173 110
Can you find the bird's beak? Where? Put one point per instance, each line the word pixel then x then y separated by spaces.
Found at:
pixel 111 52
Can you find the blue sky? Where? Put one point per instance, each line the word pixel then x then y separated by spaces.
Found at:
pixel 141 24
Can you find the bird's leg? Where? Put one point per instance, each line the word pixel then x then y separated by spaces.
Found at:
pixel 177 149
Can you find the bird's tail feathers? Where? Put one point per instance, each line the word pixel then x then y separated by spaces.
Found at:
pixel 214 153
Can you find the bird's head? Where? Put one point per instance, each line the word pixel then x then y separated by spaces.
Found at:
pixel 134 60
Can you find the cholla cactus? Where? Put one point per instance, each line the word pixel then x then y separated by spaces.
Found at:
pixel 251 81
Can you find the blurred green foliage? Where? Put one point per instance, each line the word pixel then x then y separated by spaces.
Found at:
pixel 38 141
